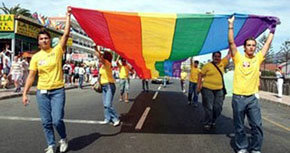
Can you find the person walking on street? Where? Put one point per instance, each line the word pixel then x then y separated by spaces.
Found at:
pixel 183 77
pixel 211 85
pixel 145 85
pixel 108 87
pixel 124 70
pixel 192 88
pixel 280 81
pixel 47 63
pixel 245 101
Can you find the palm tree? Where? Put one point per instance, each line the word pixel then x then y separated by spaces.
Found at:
pixel 16 10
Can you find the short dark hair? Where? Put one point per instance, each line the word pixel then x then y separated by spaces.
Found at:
pixel 250 38
pixel 218 52
pixel 196 62
pixel 108 56
pixel 43 32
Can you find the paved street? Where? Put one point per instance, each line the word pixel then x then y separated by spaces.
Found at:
pixel 171 126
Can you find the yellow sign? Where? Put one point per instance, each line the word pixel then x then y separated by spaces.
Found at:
pixel 26 29
pixel 6 22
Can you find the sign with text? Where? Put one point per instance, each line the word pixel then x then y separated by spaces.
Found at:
pixel 26 29
pixel 7 22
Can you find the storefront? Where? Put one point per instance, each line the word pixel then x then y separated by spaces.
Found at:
pixel 20 33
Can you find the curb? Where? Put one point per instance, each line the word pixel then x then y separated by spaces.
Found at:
pixel 14 95
pixel 274 102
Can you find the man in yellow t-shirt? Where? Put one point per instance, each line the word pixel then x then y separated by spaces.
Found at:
pixel 245 101
pixel 124 70
pixel 183 77
pixel 210 83
pixel 50 95
pixel 194 71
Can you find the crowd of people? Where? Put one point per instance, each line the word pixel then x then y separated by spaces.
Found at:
pixel 12 71
pixel 47 64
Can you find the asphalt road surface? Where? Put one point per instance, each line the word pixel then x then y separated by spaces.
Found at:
pixel 158 121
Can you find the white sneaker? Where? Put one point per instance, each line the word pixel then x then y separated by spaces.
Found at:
pixel 50 149
pixel 116 123
pixel 63 145
pixel 243 151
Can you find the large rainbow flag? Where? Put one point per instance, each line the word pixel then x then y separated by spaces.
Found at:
pixel 155 44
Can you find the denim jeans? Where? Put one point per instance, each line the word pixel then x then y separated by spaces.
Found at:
pixel 242 106
pixel 192 89
pixel 81 80
pixel 51 110
pixel 124 86
pixel 108 96
pixel 212 101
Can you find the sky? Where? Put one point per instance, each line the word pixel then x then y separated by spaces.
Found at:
pixel 278 8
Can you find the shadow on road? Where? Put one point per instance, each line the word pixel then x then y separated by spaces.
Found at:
pixel 170 114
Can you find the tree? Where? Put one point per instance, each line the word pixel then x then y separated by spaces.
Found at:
pixel 269 55
pixel 16 10
pixel 285 52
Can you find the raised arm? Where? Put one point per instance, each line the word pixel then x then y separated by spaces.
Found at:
pixel 99 55
pixel 232 45
pixel 65 35
pixel 268 43
pixel 191 63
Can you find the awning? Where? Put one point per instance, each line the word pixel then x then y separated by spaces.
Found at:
pixel 7 35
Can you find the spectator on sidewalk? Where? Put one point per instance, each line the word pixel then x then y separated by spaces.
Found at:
pixel 47 63
pixel 280 80
pixel 245 101
pixel 25 69
pixel 16 73
pixel 66 70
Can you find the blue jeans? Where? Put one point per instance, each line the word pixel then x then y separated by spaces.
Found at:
pixel 108 96
pixel 81 80
pixel 192 89
pixel 124 86
pixel 212 102
pixel 51 111
pixel 242 106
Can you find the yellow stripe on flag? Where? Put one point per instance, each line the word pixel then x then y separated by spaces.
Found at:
pixel 157 37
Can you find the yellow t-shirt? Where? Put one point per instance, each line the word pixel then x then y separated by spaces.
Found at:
pixel 194 74
pixel 106 73
pixel 48 64
pixel 124 71
pixel 212 79
pixel 183 75
pixel 246 74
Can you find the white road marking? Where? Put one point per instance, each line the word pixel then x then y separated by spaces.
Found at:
pixel 156 93
pixel 142 119
pixel 38 119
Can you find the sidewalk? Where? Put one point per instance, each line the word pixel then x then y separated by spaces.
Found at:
pixel 9 93
pixel 271 97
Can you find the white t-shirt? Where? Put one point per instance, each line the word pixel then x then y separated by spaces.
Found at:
pixel 82 71
pixel 6 62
